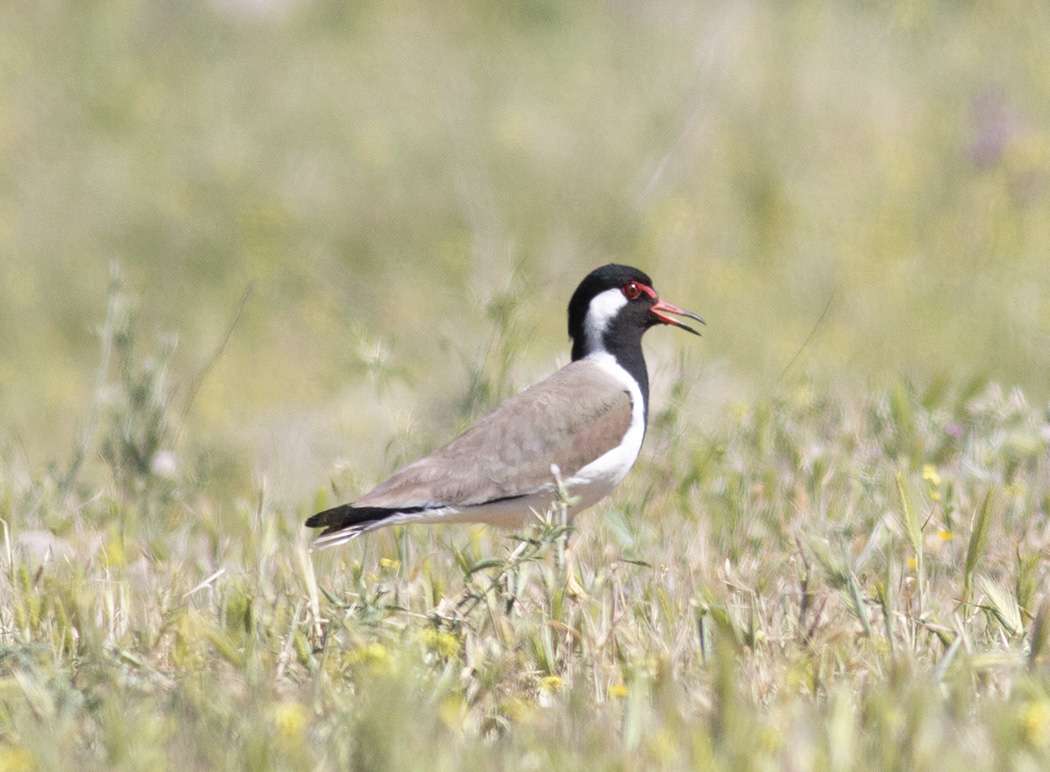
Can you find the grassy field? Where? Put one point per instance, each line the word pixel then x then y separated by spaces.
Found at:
pixel 256 253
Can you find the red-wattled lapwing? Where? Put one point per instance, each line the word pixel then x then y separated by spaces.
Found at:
pixel 583 425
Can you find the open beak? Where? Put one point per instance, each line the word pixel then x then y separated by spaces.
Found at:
pixel 661 308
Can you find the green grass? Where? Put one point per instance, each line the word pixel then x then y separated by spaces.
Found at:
pixel 828 581
pixel 340 232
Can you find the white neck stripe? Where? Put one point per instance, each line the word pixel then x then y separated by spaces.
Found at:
pixel 602 309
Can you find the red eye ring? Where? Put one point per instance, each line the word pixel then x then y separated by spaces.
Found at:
pixel 632 290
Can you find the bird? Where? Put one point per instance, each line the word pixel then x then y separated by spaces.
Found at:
pixel 576 432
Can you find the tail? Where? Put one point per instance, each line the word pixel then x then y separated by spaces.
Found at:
pixel 343 523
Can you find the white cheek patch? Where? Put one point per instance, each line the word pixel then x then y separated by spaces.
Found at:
pixel 602 310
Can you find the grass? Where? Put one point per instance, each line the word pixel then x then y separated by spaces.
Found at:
pixel 833 551
pixel 828 582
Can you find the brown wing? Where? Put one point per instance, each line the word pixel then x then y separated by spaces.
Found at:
pixel 570 419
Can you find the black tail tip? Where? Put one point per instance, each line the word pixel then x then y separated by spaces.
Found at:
pixel 347 516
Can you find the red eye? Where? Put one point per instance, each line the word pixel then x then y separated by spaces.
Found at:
pixel 631 290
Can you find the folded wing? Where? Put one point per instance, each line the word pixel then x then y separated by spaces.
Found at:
pixel 570 419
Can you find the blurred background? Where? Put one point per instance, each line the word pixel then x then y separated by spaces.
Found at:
pixel 362 221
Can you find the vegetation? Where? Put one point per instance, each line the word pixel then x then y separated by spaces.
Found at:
pixel 826 584
pixel 363 222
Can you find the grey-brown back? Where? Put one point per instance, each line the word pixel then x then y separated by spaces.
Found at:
pixel 569 419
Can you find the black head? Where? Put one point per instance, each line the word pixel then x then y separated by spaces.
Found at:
pixel 613 307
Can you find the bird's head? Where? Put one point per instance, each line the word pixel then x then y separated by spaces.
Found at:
pixel 614 306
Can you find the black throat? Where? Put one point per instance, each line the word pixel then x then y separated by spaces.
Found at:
pixel 625 345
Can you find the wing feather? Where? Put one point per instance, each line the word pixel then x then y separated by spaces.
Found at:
pixel 569 419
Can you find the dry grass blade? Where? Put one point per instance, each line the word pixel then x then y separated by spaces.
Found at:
pixel 840 575
pixel 1002 605
pixel 978 540
pixel 857 604
pixel 1037 646
pixel 946 661
pixel 908 519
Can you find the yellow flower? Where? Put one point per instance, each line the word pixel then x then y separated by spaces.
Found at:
pixel 290 718
pixel 618 690
pixel 375 656
pixel 17 760
pixel 452 711
pixel 1034 718
pixel 440 642
pixel 551 683
pixel 933 481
